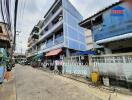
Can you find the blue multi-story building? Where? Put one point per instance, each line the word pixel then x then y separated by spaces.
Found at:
pixel 61 33
pixel 112 27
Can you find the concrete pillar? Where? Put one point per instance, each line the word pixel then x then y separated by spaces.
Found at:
pixel 108 51
pixel 67 53
pixel 53 39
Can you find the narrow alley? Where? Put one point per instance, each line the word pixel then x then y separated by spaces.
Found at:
pixel 34 84
pixel 28 83
pixel 65 50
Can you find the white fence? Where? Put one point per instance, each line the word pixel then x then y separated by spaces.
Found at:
pixel 118 66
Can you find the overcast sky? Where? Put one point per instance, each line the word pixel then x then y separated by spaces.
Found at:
pixel 31 11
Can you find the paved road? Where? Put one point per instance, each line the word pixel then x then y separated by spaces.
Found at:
pixel 34 84
pixel 8 90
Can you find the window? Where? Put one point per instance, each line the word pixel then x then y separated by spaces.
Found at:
pixel 58 18
pixel 59 33
pixel 57 7
pixel 98 20
pixel 1 31
pixel 50 39
pixel 98 23
pixel 46 29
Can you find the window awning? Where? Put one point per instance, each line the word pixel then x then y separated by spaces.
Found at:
pixel 86 53
pixel 38 56
pixel 53 53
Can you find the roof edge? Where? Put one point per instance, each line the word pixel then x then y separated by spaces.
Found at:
pixel 103 10
pixel 51 8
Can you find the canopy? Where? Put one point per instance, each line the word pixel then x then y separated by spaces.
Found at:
pixel 53 53
pixel 86 53
pixel 38 56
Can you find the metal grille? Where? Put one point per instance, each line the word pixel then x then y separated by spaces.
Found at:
pixel 78 65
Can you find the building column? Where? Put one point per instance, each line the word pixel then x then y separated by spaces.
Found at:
pixel 108 51
pixel 67 52
pixel 53 39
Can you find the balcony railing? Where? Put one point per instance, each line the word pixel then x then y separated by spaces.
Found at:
pixel 52 29
pixel 35 36
pixel 53 16
pixel 49 44
pixel 43 46
pixel 52 43
pixel 59 40
pixel 113 30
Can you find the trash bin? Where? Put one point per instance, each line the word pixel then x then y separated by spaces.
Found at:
pixel 95 77
pixel 2 71
pixel 106 81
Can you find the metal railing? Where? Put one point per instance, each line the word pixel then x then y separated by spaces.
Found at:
pixel 76 65
pixel 118 66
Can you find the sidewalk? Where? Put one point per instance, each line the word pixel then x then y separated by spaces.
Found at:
pixel 7 90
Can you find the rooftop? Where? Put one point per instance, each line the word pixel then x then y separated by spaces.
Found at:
pixel 51 8
pixel 101 11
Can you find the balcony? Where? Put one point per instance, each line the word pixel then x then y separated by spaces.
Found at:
pixel 49 44
pixel 52 43
pixel 57 25
pixel 52 18
pixel 55 9
pixel 113 30
pixel 35 36
pixel 43 46
pixel 59 40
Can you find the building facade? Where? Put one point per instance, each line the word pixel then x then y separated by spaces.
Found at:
pixel 112 28
pixel 60 33
pixel 18 57
pixel 89 39
pixel 6 38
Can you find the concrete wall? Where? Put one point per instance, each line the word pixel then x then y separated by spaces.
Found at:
pixel 89 39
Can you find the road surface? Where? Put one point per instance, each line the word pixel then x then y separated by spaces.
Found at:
pixel 28 83
pixel 34 84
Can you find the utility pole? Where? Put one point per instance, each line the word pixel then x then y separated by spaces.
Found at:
pixel 15 22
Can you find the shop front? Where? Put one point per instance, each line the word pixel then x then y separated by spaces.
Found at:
pixel 52 57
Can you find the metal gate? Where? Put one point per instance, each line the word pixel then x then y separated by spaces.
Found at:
pixel 78 65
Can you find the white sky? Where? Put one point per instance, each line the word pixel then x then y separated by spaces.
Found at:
pixel 35 10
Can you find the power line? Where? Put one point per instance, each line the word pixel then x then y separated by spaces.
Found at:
pixel 20 4
pixel 2 14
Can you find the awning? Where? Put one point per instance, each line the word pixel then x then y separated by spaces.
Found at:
pixel 115 38
pixel 4 38
pixel 38 56
pixel 86 53
pixel 53 53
